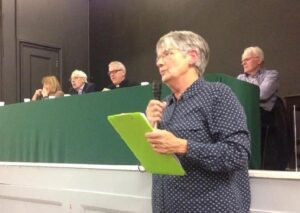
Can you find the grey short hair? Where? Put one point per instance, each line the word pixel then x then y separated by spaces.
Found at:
pixel 118 64
pixel 255 50
pixel 79 73
pixel 185 41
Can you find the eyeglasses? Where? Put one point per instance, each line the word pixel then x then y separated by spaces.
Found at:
pixel 74 78
pixel 113 71
pixel 248 59
pixel 166 54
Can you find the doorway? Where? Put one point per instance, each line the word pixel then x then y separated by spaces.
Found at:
pixel 37 61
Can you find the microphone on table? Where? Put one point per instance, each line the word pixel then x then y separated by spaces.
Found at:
pixel 156 91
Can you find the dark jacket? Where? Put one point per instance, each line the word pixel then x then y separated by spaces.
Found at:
pixel 88 87
pixel 124 83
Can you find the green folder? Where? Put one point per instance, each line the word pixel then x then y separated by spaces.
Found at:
pixel 132 128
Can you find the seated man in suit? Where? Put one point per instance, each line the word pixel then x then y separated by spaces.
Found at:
pixel 117 74
pixel 80 85
pixel 268 83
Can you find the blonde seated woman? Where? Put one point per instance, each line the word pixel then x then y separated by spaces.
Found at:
pixel 51 87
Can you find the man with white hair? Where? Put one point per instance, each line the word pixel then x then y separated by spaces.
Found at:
pixel 80 85
pixel 117 74
pixel 275 148
pixel 255 73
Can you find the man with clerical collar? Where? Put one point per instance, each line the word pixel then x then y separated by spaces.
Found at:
pixel 117 74
pixel 80 85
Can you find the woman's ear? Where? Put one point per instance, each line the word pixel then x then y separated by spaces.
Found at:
pixel 193 56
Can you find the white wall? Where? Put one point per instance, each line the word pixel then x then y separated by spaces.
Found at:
pixel 69 188
pixel 57 189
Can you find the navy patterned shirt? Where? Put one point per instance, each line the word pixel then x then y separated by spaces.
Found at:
pixel 211 119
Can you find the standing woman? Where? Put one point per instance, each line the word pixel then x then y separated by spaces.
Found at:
pixel 204 125
pixel 51 87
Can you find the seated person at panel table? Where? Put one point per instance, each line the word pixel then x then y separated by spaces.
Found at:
pixel 117 74
pixel 51 87
pixel 80 85
pixel 273 141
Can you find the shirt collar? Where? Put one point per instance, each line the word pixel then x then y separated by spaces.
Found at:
pixel 81 89
pixel 190 92
pixel 256 74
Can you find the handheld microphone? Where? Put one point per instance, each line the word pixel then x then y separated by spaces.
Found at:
pixel 156 91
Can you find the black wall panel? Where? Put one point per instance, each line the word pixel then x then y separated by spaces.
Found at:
pixel 91 33
pixel 60 24
pixel 127 30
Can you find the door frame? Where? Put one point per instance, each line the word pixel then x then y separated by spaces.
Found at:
pixel 24 43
